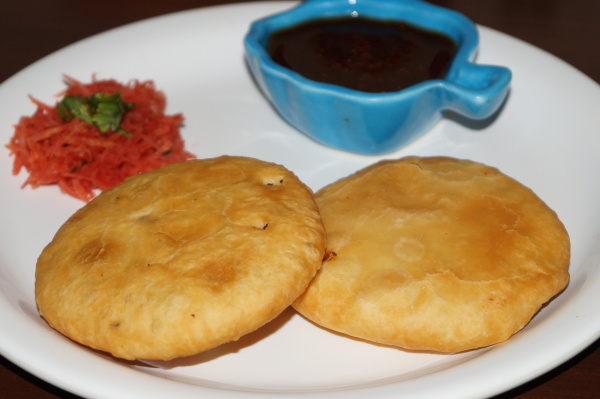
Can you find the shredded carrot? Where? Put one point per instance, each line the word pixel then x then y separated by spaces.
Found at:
pixel 80 159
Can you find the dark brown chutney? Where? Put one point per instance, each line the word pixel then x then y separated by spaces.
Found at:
pixel 364 54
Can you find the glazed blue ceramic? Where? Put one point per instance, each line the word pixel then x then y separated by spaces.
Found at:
pixel 373 123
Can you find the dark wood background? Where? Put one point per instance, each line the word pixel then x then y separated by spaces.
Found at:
pixel 31 29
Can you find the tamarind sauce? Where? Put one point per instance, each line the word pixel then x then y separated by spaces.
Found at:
pixel 364 54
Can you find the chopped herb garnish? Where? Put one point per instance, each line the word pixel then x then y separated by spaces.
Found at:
pixel 101 110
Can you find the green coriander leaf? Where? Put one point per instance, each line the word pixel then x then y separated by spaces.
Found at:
pixel 108 111
pixel 74 107
pixel 102 110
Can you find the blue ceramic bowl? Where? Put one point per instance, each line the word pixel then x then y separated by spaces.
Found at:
pixel 373 123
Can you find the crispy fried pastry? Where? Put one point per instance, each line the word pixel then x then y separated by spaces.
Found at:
pixel 435 254
pixel 181 259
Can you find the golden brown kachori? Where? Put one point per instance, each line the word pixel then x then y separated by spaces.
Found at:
pixel 434 254
pixel 181 259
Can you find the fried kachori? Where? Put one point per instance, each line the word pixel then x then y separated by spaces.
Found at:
pixel 181 259
pixel 434 254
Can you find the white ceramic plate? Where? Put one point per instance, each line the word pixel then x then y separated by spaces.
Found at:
pixel 546 136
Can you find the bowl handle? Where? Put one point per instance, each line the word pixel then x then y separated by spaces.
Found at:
pixel 478 90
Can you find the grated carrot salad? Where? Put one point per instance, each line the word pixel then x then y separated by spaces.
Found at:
pixel 77 157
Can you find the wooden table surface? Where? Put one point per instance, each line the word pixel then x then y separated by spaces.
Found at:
pixel 31 29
